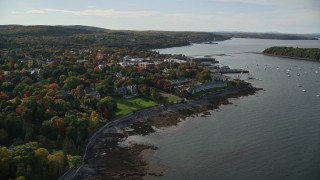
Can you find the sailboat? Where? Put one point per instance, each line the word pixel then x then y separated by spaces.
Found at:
pixel 298 83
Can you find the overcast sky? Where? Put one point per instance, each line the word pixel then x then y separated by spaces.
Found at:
pixel 290 16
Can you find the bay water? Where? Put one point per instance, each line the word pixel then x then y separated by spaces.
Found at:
pixel 273 135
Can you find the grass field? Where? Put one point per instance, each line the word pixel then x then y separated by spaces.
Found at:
pixel 126 106
pixel 172 98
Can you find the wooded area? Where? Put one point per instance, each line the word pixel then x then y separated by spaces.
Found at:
pixel 58 85
pixel 305 53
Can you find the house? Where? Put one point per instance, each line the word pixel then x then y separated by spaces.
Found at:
pixel 93 92
pixel 132 89
pixel 49 62
pixel 220 77
pixel 202 87
pixel 34 71
pixel 121 90
pixel 119 75
pixel 101 66
pixel 175 61
pixel 181 81
pixel 127 91
pixel 82 60
pixel 65 95
pixel 100 56
pixel 146 65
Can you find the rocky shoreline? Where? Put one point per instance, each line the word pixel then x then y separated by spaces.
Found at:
pixel 107 160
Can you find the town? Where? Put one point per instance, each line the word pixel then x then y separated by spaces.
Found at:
pixel 53 98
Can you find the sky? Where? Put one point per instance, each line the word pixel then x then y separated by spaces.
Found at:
pixel 287 16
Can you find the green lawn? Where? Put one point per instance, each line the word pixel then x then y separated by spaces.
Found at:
pixel 126 106
pixel 172 98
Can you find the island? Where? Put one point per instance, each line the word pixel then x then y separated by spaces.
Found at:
pixel 70 94
pixel 312 54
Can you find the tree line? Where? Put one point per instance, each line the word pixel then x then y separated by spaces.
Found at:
pixel 305 53
pixel 39 36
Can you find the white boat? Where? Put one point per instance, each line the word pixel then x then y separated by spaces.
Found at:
pixel 298 83
pixel 289 75
pixel 250 76
pixel 303 90
pixel 298 74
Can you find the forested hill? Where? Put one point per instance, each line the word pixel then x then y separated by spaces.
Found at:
pixel 82 36
pixel 279 36
pixel 291 52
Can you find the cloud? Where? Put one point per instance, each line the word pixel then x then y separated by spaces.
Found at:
pixel 35 11
pixel 278 3
pixel 105 13
pixel 284 20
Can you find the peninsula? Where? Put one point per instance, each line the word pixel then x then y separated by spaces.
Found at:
pixel 312 54
pixel 60 84
pixel 279 36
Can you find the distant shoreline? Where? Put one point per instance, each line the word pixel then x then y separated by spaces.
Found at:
pixel 105 159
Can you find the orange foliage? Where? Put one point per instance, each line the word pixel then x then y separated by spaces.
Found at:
pixel 3 96
pixel 59 123
pixel 21 110
pixel 54 86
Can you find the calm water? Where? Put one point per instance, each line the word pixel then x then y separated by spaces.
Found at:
pixel 273 135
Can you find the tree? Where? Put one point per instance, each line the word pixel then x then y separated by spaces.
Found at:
pixel 107 107
pixel 3 136
pixel 24 153
pixel 90 101
pixel 69 146
pixel 144 90
pixel 74 161
pixel 56 164
pixel 71 83
pixel 61 106
pixel 41 158
pixel 4 162
pixel 21 170
pixel 204 76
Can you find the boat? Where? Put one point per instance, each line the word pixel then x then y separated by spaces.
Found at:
pixel 250 76
pixel 303 90
pixel 298 74
pixel 298 83
pixel 289 75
